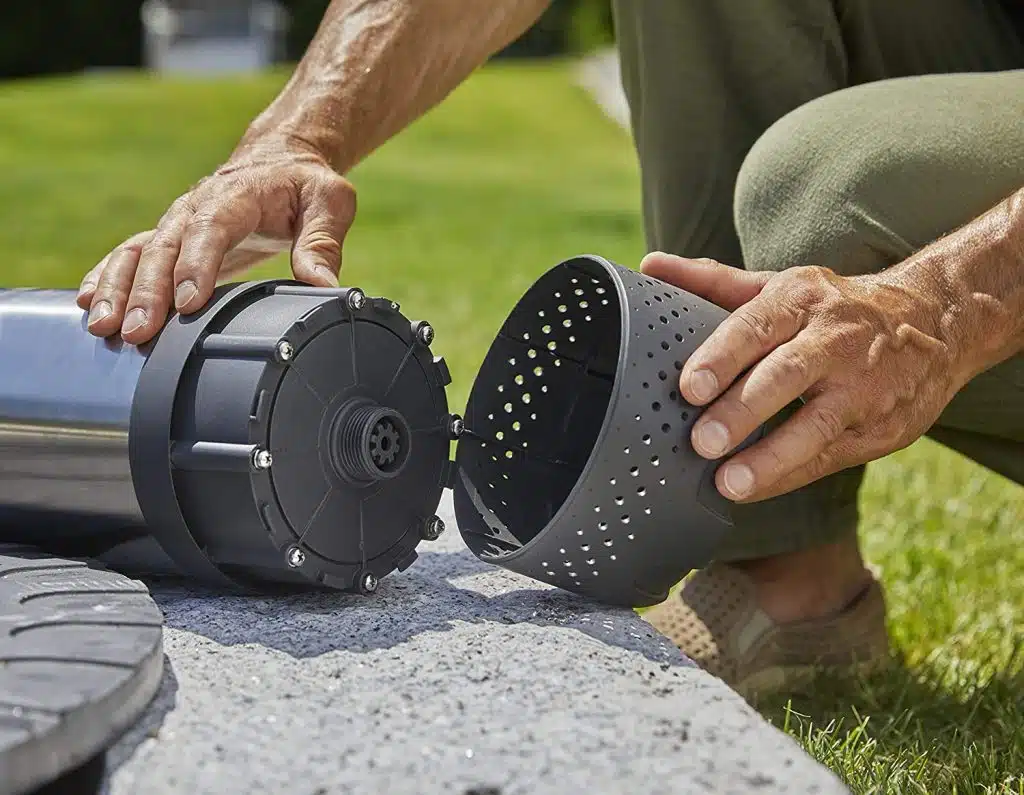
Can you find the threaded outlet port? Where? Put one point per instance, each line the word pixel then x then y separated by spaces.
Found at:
pixel 369 442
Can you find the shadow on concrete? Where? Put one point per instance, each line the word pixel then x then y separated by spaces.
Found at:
pixel 425 598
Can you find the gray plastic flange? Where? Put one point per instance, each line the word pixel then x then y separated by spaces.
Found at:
pixel 576 467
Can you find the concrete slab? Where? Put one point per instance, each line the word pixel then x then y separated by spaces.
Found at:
pixel 455 678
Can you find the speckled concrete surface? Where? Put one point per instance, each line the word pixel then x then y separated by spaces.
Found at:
pixel 455 678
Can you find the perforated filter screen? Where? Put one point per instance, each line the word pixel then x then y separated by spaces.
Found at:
pixel 576 467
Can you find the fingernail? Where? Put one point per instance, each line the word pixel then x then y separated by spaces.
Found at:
pixel 133 321
pixel 100 311
pixel 328 275
pixel 703 384
pixel 86 287
pixel 738 479
pixel 184 294
pixel 712 437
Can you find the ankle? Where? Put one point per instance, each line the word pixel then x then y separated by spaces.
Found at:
pixel 809 583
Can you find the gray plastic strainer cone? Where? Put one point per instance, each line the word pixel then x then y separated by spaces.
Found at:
pixel 576 467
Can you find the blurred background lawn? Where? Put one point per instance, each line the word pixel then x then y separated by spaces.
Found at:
pixel 515 172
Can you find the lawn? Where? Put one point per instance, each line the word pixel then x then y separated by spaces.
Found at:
pixel 514 173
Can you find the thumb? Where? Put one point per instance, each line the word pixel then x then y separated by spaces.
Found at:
pixel 326 211
pixel 720 284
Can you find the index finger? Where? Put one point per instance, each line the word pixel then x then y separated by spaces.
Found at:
pixel 741 340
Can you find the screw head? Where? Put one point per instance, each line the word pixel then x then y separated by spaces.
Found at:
pixel 369 582
pixel 395 306
pixel 295 557
pixel 425 334
pixel 433 528
pixel 262 459
pixel 356 299
pixel 456 426
pixel 285 351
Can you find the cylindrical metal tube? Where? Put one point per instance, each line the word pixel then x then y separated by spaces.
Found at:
pixel 65 404
pixel 224 448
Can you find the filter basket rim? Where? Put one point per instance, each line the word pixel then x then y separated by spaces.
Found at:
pixel 611 269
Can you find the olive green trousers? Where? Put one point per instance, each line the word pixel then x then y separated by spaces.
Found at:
pixel 842 133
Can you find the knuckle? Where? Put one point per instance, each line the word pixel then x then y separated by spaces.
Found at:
pixel 826 424
pixel 755 327
pixel 339 197
pixel 793 366
pixel 323 243
pixel 161 243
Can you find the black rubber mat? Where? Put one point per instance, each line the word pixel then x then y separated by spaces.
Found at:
pixel 80 658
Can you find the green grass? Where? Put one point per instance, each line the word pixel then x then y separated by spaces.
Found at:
pixel 457 217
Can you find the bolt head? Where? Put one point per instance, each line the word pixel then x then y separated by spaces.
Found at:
pixel 369 582
pixel 356 299
pixel 395 306
pixel 285 351
pixel 425 334
pixel 262 459
pixel 295 557
pixel 433 528
pixel 456 426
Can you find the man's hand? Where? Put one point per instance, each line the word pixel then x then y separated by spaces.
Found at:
pixel 370 71
pixel 866 354
pixel 263 201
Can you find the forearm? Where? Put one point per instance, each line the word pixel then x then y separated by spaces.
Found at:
pixel 975 276
pixel 375 66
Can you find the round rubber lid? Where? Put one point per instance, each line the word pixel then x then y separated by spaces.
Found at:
pixel 80 659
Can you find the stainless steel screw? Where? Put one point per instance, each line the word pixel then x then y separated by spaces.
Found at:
pixel 262 459
pixel 456 426
pixel 356 299
pixel 369 582
pixel 426 334
pixel 296 557
pixel 433 528
pixel 285 351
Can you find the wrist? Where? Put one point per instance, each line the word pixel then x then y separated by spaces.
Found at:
pixel 973 282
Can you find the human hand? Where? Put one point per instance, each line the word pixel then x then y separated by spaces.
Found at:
pixel 265 199
pixel 866 354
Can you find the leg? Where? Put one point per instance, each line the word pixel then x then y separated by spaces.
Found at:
pixel 860 180
pixel 705 78
pixel 855 181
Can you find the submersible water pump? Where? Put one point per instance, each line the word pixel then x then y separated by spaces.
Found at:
pixel 289 434
pixel 283 435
